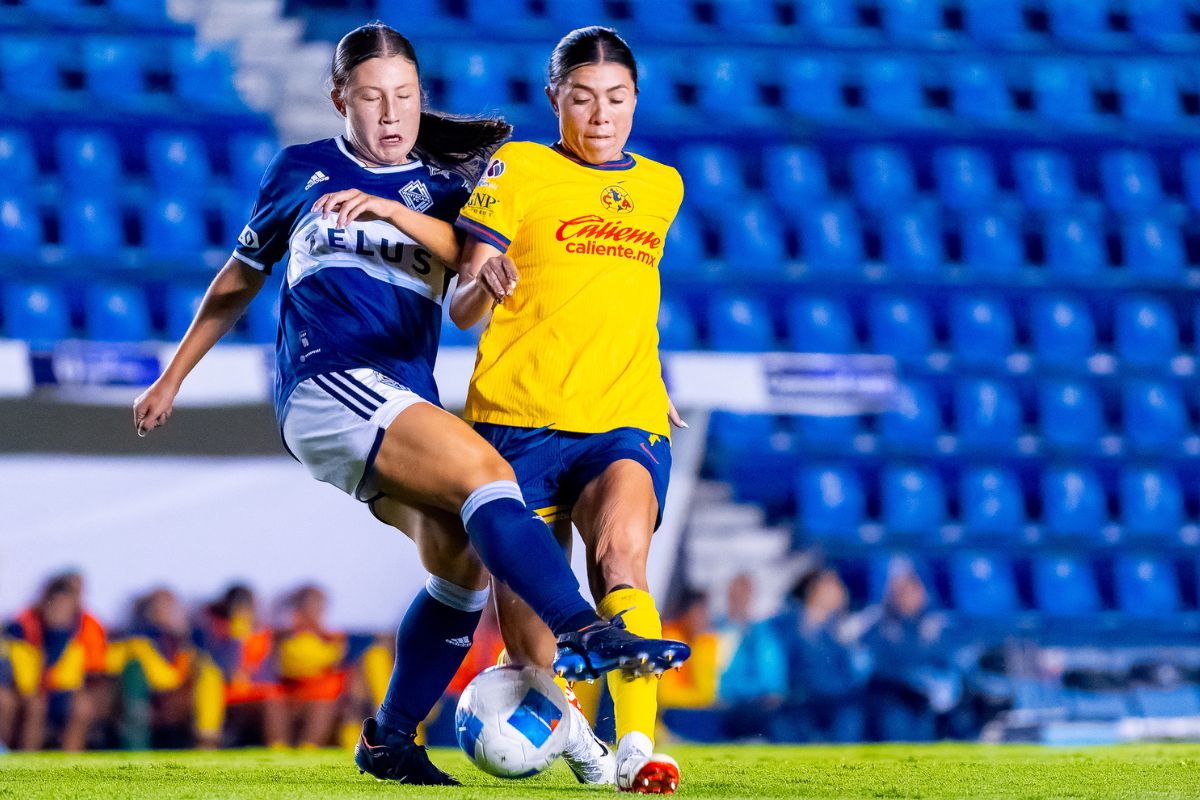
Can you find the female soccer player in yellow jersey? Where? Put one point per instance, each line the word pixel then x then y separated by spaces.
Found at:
pixel 565 242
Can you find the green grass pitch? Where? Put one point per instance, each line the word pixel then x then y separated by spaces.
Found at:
pixel 725 772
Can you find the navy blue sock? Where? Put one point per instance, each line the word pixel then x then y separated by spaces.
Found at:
pixel 519 549
pixel 431 643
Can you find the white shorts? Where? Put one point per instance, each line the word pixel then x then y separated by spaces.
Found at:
pixel 334 424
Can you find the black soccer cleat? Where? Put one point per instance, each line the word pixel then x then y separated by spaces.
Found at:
pixel 398 759
pixel 588 653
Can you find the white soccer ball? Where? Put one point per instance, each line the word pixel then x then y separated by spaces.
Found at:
pixel 512 721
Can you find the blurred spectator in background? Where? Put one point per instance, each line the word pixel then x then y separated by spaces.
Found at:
pixel 732 626
pixel 913 681
pixel 52 646
pixel 695 684
pixel 800 676
pixel 314 664
pixel 8 696
pixel 238 698
pixel 156 662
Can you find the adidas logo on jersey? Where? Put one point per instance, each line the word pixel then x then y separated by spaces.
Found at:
pixel 460 641
pixel 316 178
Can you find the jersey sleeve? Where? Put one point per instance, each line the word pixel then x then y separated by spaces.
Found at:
pixel 496 207
pixel 264 240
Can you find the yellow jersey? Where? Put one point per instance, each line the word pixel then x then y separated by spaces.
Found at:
pixel 576 346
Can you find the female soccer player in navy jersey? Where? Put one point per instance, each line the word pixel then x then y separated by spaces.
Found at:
pixel 363 221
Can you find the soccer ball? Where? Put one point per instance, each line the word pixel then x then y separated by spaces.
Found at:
pixel 512 721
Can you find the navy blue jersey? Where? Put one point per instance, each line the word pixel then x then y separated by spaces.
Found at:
pixel 365 295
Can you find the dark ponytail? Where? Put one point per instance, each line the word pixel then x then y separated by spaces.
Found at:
pixel 591 45
pixel 456 142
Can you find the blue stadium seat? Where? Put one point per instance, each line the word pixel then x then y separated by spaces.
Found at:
pixel 752 238
pixel 900 327
pixel 1065 587
pixel 88 160
pixel 676 329
pixel 36 312
pixel 648 15
pixel 979 92
pixel 1149 93
pixel 20 226
pixel 828 433
pixel 912 242
pixel 29 70
pixel 1181 701
pixel 147 12
pixel 987 414
pixel 991 502
pixel 721 86
pixel 1160 22
pixel 17 161
pixel 965 177
pixel 475 77
pixel 249 155
pixel 828 19
pixel 202 75
pixel 1073 503
pixel 683 253
pixel 991 244
pixel 1070 415
pixel 1074 247
pixel 173 230
pixel 91 226
pixel 183 301
pixel 753 17
pixel 820 325
pixel 892 89
pixel 713 176
pixel 1080 22
pixel 1191 179
pixel 739 323
pixel 1155 419
pixel 912 500
pixel 1131 181
pixel 794 175
pixel 112 69
pixel 1153 248
pixel 831 238
pixel 911 21
pixel 830 500
pixel 1145 331
pixel 882 566
pixel 114 313
pixel 1045 179
pixel 982 585
pixel 1062 91
pixel 914 421
pixel 1151 502
pixel 1147 586
pixel 981 330
pixel 883 177
pixel 1063 333
pixel 734 435
pixel 993 21
pixel 178 163
pixel 812 87
pixel 658 95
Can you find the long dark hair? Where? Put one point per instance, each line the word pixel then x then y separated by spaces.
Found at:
pixel 459 142
pixel 591 45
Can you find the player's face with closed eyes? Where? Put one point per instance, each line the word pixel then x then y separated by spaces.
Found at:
pixel 382 106
pixel 595 110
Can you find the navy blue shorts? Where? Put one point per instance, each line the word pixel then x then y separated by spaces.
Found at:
pixel 553 467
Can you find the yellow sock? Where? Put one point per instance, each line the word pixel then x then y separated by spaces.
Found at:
pixel 635 702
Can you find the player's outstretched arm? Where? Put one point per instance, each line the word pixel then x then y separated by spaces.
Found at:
pixel 433 234
pixel 485 277
pixel 225 301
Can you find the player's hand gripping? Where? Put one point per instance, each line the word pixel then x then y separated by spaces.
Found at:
pixel 153 407
pixel 498 276
pixel 351 205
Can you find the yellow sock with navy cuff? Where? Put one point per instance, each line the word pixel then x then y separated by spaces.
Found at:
pixel 635 702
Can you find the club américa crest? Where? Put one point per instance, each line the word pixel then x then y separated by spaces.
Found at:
pixel 616 200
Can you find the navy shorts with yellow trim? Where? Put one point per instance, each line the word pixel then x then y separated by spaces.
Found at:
pixel 553 467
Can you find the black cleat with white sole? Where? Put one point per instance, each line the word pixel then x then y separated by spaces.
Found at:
pixel 590 652
pixel 399 759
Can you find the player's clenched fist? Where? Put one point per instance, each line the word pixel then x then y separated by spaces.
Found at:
pixel 499 276
pixel 153 407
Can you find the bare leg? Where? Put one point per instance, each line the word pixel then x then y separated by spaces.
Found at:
pixel 79 721
pixel 527 640
pixel 33 722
